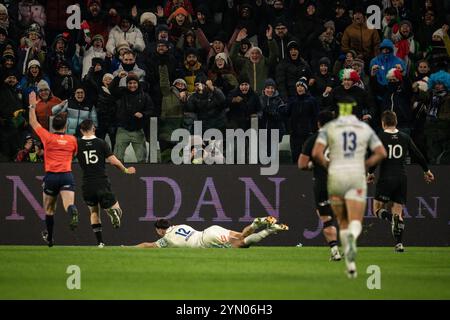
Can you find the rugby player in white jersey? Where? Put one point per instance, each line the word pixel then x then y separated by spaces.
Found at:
pixel 184 236
pixel 347 139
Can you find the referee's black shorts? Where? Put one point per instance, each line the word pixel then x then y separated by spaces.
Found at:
pixel 321 197
pixel 98 193
pixel 54 182
pixel 391 188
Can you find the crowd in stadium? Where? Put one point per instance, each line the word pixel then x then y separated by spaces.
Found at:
pixel 222 62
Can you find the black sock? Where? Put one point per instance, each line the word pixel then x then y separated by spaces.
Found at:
pixel 399 235
pixel 332 243
pixel 49 223
pixel 97 228
pixel 384 214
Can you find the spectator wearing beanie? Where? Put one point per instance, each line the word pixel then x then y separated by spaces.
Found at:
pixel 358 66
pixel 125 31
pixel 292 68
pixel 222 74
pixel 8 60
pixel 100 21
pixel 302 112
pixel 324 45
pixel 77 108
pixel 172 5
pixel 282 37
pixel 96 50
pixel 133 111
pixel 438 55
pixel 324 82
pixel 93 81
pixel 305 29
pixel 179 22
pixel 243 104
pixel 32 47
pixel 274 111
pixel 359 37
pixel 174 99
pixel 45 104
pixel 208 103
pixel 57 53
pixel 406 47
pixel 255 66
pixel 365 108
pixel 148 22
pixel 32 77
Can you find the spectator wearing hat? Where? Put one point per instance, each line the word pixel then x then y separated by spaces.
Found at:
pixel 6 41
pixel 218 45
pixel 58 52
pixel 191 68
pixel 437 55
pixel 96 50
pixel 8 61
pixel 45 104
pixel 189 40
pixel 358 66
pixel 302 112
pixel 208 104
pixel 360 38
pixel 65 81
pixel 292 68
pixel 77 108
pixel 274 112
pixel 32 77
pixel 162 35
pixel 243 104
pixel 174 99
pixel 106 108
pixel 276 12
pixel 365 107
pixel 133 111
pixel 179 22
pixel 406 48
pixel 325 45
pixel 398 99
pixel 222 74
pixel 10 116
pixel 255 65
pixel 381 64
pixel 172 5
pixel 93 81
pixel 32 47
pixel 148 22
pixel 325 82
pixel 32 151
pixel 125 31
pixel 127 66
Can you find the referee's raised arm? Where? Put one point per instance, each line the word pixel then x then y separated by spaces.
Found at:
pixel 32 113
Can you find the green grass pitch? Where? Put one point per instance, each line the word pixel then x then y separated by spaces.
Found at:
pixel 269 273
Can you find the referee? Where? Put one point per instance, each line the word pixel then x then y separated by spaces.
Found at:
pixel 59 150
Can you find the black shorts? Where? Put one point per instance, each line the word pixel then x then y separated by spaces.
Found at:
pixel 391 189
pixel 321 197
pixel 94 194
pixel 54 182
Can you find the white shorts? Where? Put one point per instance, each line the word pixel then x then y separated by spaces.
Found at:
pixel 347 186
pixel 216 237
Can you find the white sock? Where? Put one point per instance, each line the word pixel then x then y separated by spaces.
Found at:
pixel 343 233
pixel 355 228
pixel 257 237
